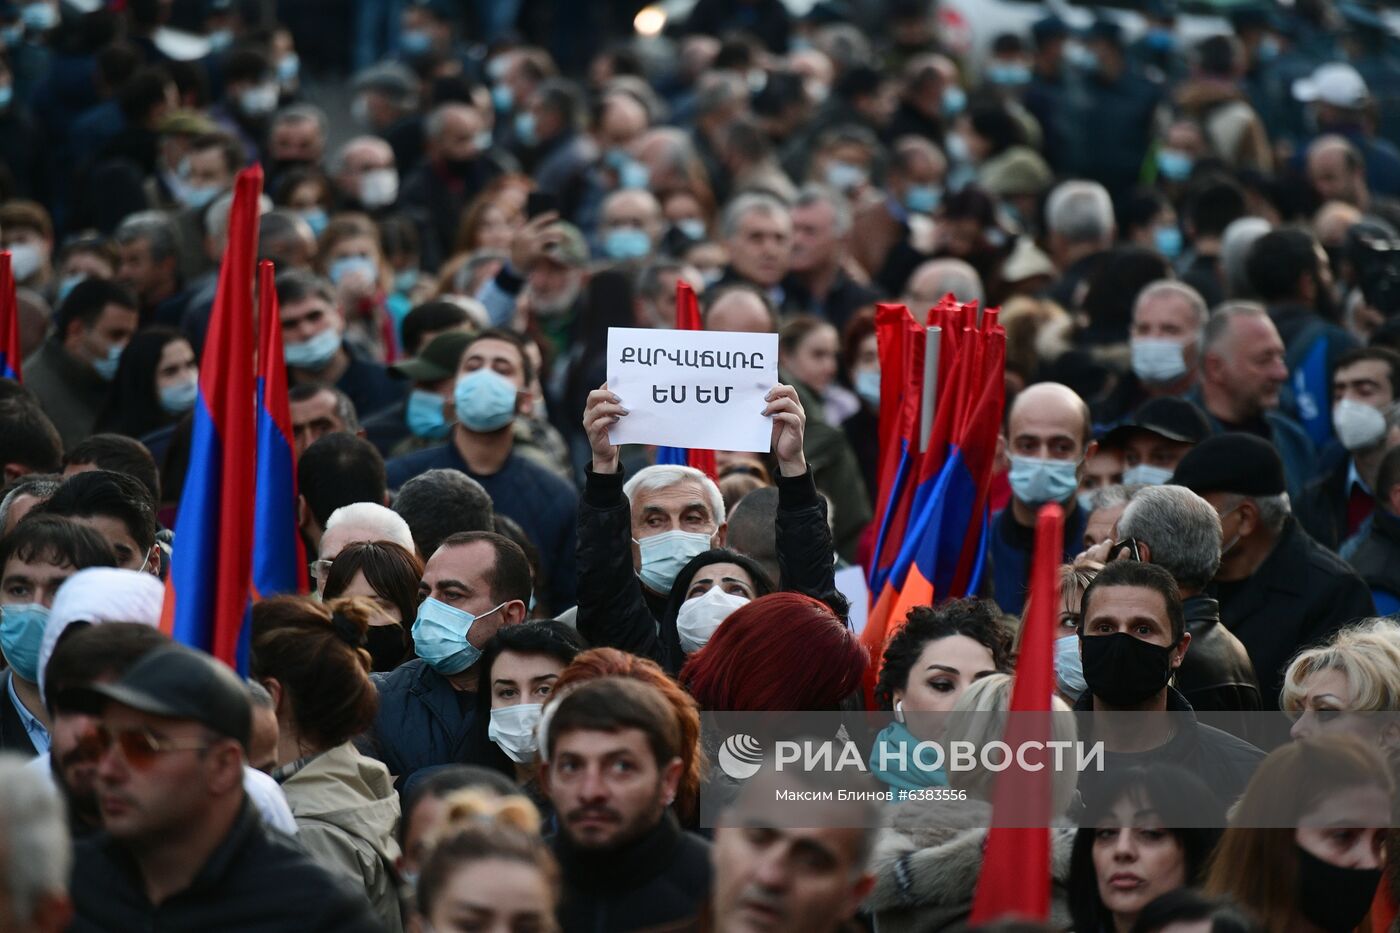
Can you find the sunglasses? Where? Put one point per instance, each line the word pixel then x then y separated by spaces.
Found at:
pixel 140 747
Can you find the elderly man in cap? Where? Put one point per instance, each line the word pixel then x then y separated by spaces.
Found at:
pixel 1340 102
pixel 545 272
pixel 426 416
pixel 1154 440
pixel 1279 590
pixel 182 848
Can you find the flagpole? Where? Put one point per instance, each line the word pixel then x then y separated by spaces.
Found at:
pixel 933 341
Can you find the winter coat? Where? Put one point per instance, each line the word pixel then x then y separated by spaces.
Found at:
pixel 347 815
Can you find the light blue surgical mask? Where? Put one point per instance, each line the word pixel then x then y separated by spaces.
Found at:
pixel 485 400
pixel 21 634
pixel 1145 474
pixel 502 98
pixel 39 17
pixel 348 264
pixel 179 398
pixel 1069 667
pixel 634 176
pixel 867 383
pixel 692 227
pixel 424 415
pixel 843 176
pixel 316 219
pixel 482 140
pixel 1168 241
pixel 313 353
pixel 626 243
pixel 220 39
pixel 289 68
pixel 1008 74
pixel 664 555
pixel 414 42
pixel 1268 49
pixel 107 366
pixel 1038 480
pixel 525 128
pixel 1086 501
pixel 954 101
pixel 405 281
pixel 1159 39
pixel 440 636
pixel 1083 58
pixel 1174 165
pixel 7 95
pixel 923 199
pixel 67 284
pixel 198 197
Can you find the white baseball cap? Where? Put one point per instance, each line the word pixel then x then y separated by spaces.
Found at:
pixel 1337 84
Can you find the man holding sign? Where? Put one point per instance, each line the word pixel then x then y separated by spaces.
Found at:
pixel 623 582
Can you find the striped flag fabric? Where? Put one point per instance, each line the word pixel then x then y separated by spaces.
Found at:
pixel 688 318
pixel 9 322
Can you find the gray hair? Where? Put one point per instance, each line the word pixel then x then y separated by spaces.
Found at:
pixel 1181 291
pixel 152 226
pixel 1223 316
pixel 1109 497
pixel 302 113
pixel 946 275
pixel 747 203
pixel 41 487
pixel 821 194
pixel 1081 212
pixel 1181 528
pixel 1273 510
pixel 337 162
pixel 432 126
pixel 381 521
pixel 1238 237
pixel 37 854
pixel 664 476
pixel 216 217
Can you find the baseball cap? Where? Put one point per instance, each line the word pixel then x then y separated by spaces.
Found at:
pixel 571 249
pixel 1176 419
pixel 1049 28
pixel 436 361
pixel 180 683
pixel 1335 83
pixel 1243 464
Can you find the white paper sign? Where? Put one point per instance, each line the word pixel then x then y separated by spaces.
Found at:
pixel 850 581
pixel 692 388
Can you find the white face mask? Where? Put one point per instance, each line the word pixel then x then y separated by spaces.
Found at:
pixel 1069 667
pixel 1357 424
pixel 379 187
pixel 700 617
pixel 513 728
pixel 25 260
pixel 1158 361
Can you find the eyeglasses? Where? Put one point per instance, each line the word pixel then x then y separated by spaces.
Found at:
pixel 139 747
pixel 320 569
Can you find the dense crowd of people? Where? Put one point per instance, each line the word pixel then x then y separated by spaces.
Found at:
pixel 487 714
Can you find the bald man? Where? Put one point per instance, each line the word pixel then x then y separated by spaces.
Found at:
pixel 740 308
pixel 1337 172
pixel 1047 440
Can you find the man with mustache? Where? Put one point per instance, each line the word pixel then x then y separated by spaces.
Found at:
pixel 612 749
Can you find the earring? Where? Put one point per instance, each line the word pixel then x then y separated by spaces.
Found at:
pixel 899 711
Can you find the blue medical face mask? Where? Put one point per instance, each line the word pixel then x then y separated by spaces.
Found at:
pixel 664 555
pixel 313 353
pixel 107 366
pixel 348 264
pixel 482 141
pixel 316 219
pixel 867 384
pixel 626 243
pixel 1038 480
pixel 198 197
pixel 692 227
pixel 525 128
pixel 1069 667
pixel 68 283
pixel 179 398
pixel 440 636
pixel 843 176
pixel 424 415
pixel 923 199
pixel 1168 241
pixel 502 98
pixel 405 281
pixel 288 68
pixel 7 95
pixel 39 17
pixel 21 634
pixel 485 400
pixel 1174 165
pixel 954 101
pixel 414 42
pixel 1008 74
pixel 1145 474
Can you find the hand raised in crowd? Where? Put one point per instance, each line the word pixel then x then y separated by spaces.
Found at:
pixel 529 242
pixel 789 427
pixel 599 415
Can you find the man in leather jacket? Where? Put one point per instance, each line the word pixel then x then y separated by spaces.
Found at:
pixel 1180 532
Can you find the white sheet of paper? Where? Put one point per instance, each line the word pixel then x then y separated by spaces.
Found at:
pixel 850 581
pixel 692 388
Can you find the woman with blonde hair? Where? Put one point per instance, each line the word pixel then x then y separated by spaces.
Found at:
pixel 1305 847
pixel 1335 686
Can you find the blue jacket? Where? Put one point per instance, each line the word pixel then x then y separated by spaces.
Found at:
pixel 544 505
pixel 1010 553
pixel 422 721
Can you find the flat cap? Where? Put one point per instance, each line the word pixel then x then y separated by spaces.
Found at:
pixel 1176 419
pixel 1242 464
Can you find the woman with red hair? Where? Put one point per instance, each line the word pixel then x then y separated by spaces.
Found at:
pixel 610 662
pixel 748 664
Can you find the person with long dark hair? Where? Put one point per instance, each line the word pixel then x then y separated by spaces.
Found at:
pixel 387 575
pixel 157 381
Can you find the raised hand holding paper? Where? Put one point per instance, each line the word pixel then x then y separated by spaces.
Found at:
pixel 692 388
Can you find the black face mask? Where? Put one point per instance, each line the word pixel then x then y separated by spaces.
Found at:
pixel 386 646
pixel 1334 898
pixel 460 168
pixel 1122 670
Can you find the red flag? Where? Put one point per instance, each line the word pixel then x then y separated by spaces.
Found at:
pixel 9 322
pixel 1015 877
pixel 688 318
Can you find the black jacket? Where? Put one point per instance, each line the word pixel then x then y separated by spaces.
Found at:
pixel 1223 762
pixel 1377 558
pixel 1301 594
pixel 256 881
pixel 1216 674
pixel 1323 508
pixel 422 721
pixel 659 879
pixel 616 611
